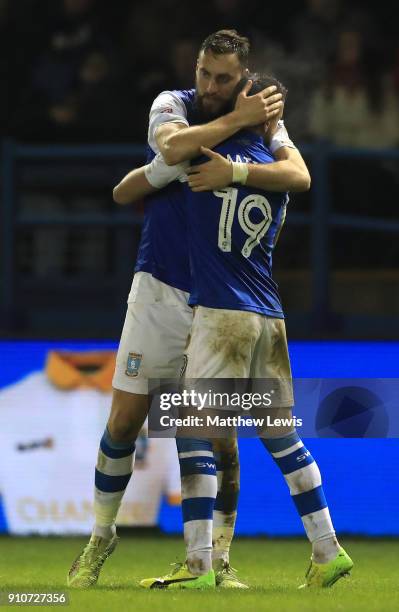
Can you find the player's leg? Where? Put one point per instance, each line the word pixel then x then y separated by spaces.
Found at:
pixel 303 478
pixel 225 511
pixel 113 471
pixel 151 346
pixel 220 347
pixel 329 561
pixel 199 489
pixel 295 461
pixel 115 458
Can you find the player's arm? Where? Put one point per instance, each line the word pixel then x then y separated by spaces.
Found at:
pixel 146 180
pixel 133 187
pixel 177 141
pixel 283 149
pixel 287 173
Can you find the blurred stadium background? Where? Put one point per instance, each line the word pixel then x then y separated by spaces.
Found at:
pixel 78 80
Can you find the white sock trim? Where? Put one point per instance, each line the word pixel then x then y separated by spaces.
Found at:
pixel 114 467
pixel 288 451
pixel 198 535
pixel 318 525
pixel 188 454
pixel 203 485
pixel 304 480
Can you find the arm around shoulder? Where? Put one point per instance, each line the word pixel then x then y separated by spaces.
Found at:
pixel 133 187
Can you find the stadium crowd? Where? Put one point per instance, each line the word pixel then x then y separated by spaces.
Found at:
pixel 80 71
pixel 87 70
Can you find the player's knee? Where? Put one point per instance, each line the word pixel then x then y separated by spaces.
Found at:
pixel 275 443
pixel 122 430
pixel 269 433
pixel 123 426
pixel 128 413
pixel 274 423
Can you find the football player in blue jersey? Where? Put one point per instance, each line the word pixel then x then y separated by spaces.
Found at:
pixel 238 332
pixel 158 318
pixel 288 174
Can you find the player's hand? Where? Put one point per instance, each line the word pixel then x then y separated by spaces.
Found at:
pixel 214 174
pixel 259 108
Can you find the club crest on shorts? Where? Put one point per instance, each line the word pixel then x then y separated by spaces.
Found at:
pixel 133 364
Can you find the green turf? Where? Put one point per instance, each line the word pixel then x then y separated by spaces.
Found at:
pixel 273 569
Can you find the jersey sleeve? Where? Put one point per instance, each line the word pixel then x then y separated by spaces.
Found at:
pixel 281 138
pixel 166 108
pixel 159 174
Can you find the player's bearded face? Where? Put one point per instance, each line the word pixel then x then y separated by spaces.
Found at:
pixel 216 79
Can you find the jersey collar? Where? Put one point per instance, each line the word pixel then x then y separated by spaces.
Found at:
pixel 252 136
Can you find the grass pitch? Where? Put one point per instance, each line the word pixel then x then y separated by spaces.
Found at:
pixel 272 568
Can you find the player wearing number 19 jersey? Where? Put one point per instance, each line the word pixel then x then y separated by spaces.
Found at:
pixel 232 266
pixel 238 330
pixel 232 234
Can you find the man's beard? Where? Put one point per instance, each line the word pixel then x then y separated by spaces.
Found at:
pixel 205 113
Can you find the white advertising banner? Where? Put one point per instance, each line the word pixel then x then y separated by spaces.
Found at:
pixel 51 423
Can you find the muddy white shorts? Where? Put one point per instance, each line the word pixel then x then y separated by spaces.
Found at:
pixel 233 344
pixel 154 336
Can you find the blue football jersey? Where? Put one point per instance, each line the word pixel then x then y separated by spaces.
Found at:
pixel 163 249
pixel 232 233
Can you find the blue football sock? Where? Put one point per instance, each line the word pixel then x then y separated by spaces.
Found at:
pixel 199 489
pixel 113 471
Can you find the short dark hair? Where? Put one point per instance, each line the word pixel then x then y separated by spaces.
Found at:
pixel 261 81
pixel 227 41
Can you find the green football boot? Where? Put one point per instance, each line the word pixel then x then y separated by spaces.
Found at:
pixel 180 578
pixel 226 576
pixel 86 568
pixel 322 575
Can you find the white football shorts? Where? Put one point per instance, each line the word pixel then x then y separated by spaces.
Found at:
pixel 233 344
pixel 154 335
